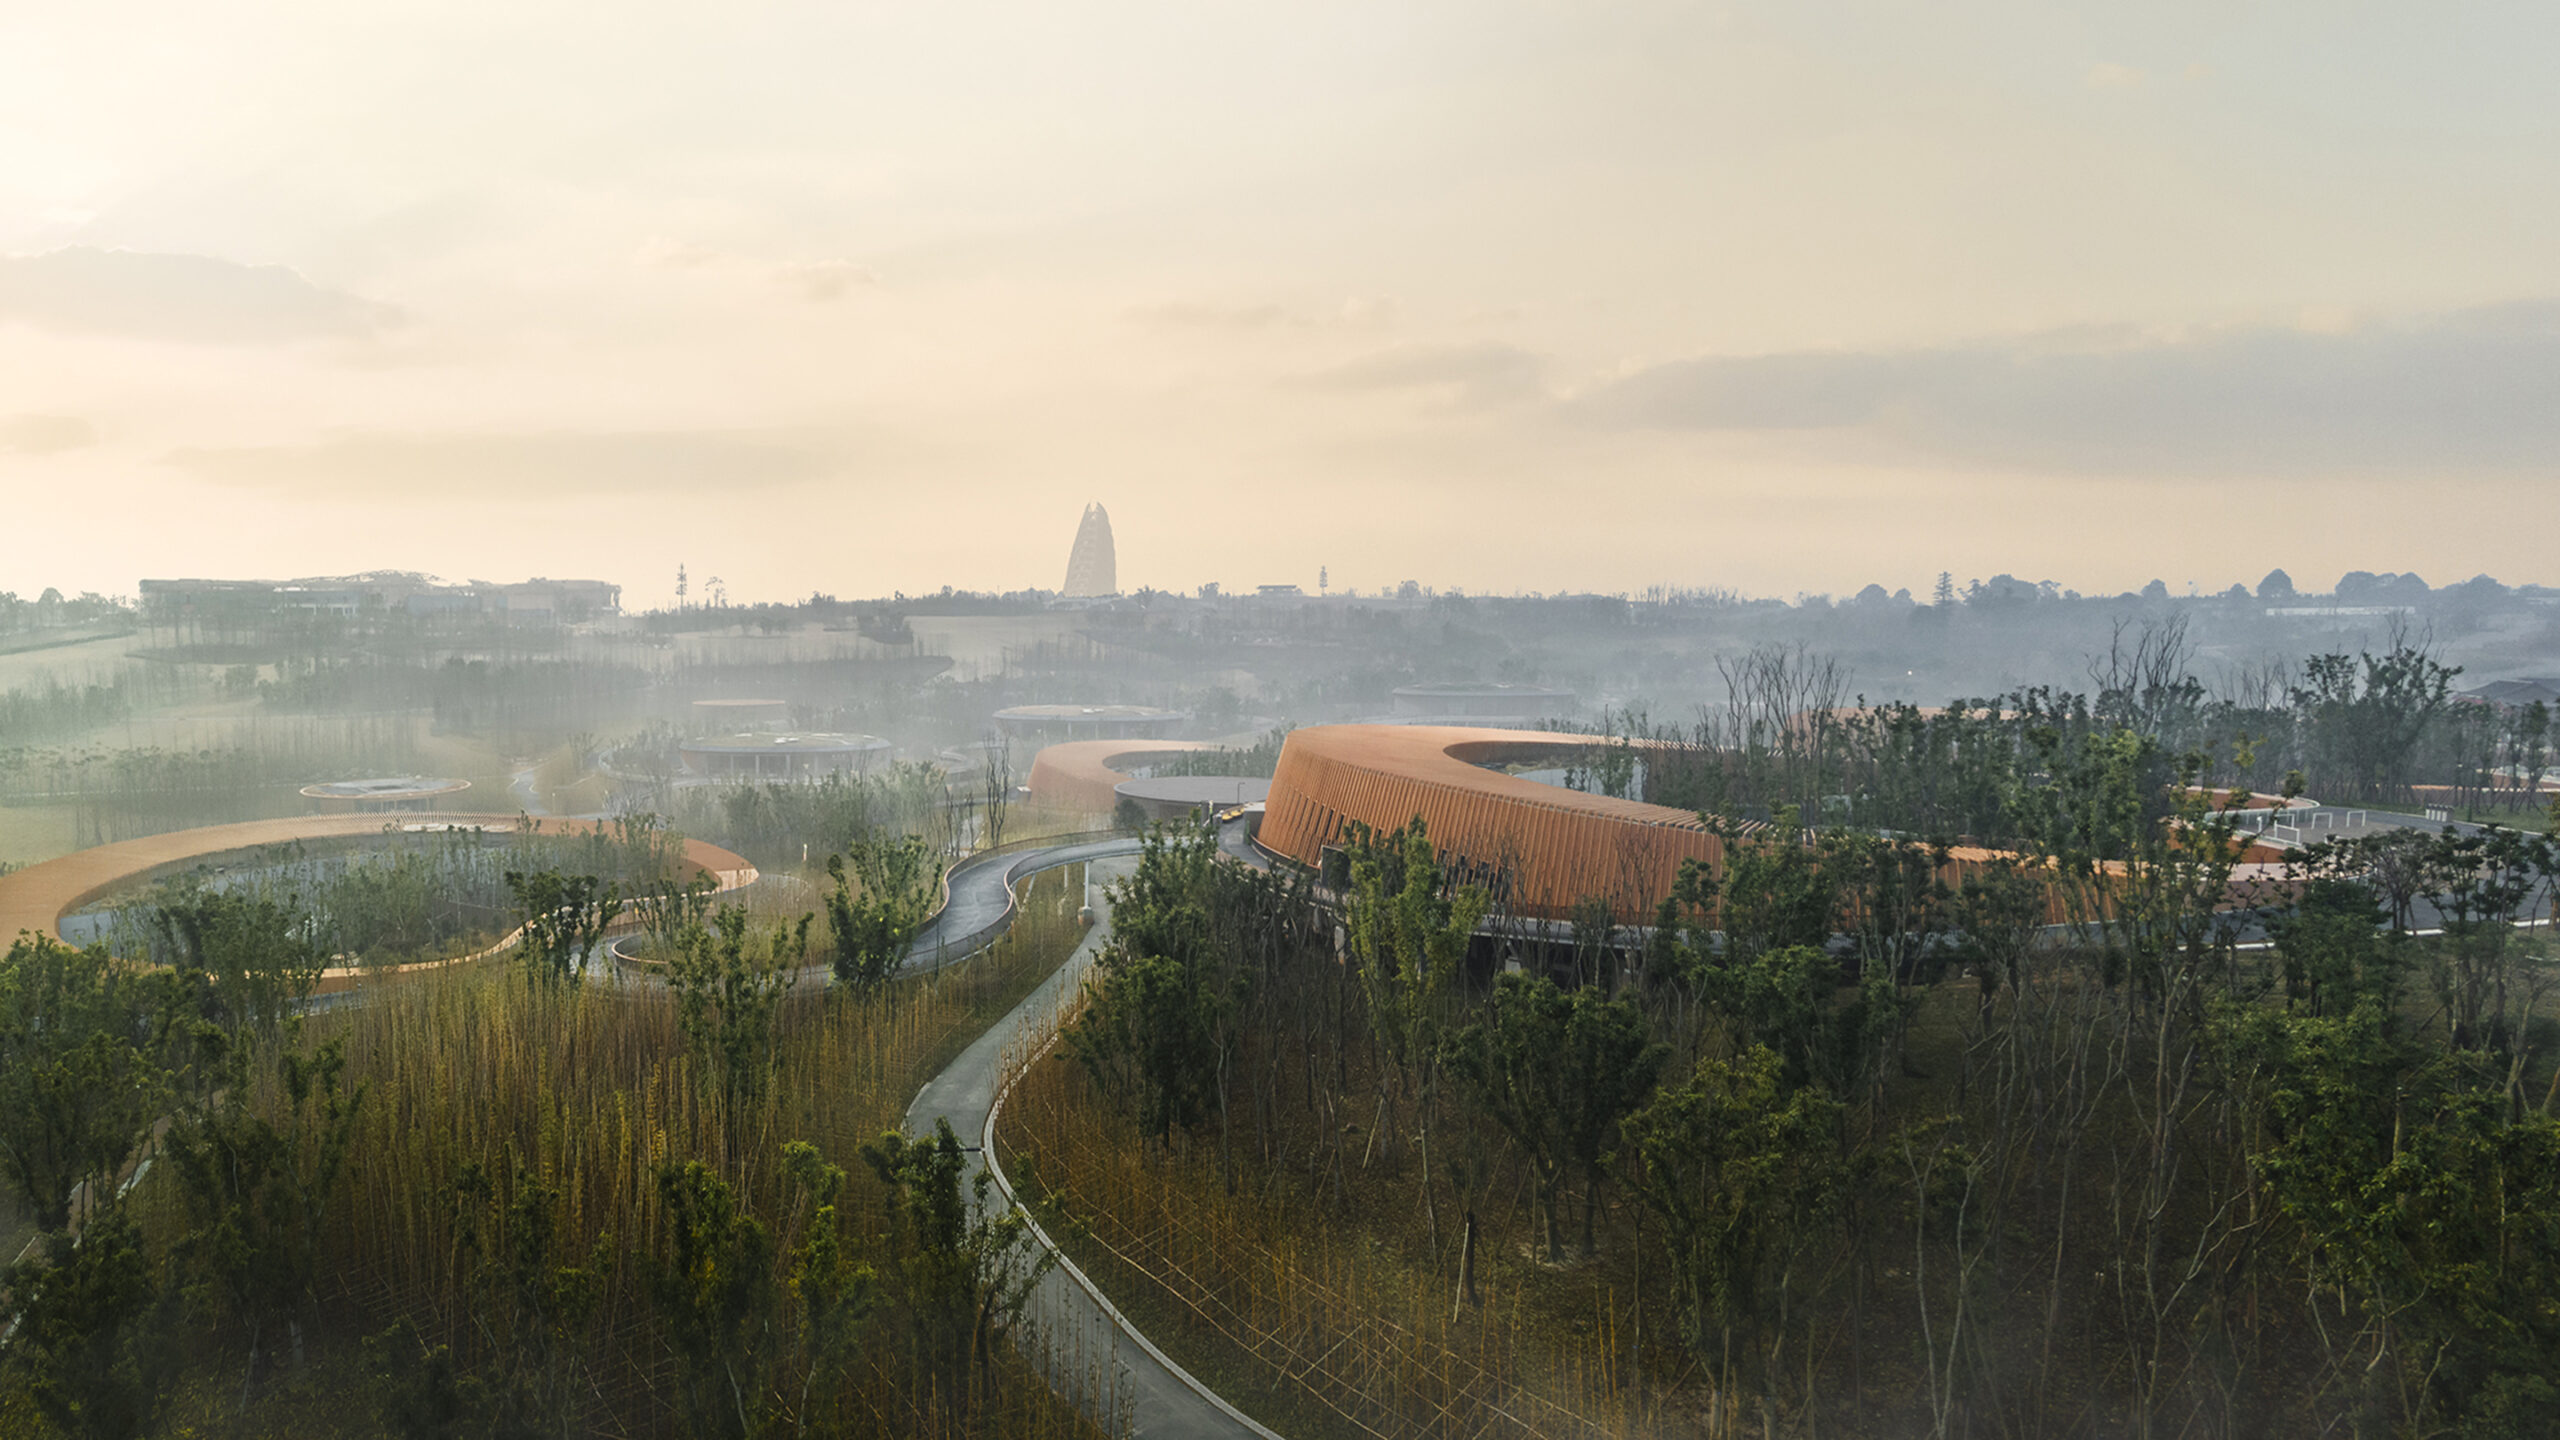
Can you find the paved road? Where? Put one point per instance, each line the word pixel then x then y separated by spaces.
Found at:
pixel 1235 841
pixel 1096 1360
pixel 981 901
pixel 520 790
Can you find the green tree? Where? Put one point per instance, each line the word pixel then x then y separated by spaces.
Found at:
pixel 1557 1071
pixel 728 988
pixel 422 1393
pixel 667 909
pixel 1769 974
pixel 2333 955
pixel 875 910
pixel 833 1294
pixel 563 920
pixel 2480 883
pixel 716 1300
pixel 2526 749
pixel 258 1188
pixel 1893 903
pixel 1787 1000
pixel 1939 773
pixel 530 1310
pixel 2422 1214
pixel 1162 1001
pixel 77 1089
pixel 2366 715
pixel 1144 1039
pixel 256 959
pixel 1997 912
pixel 1776 892
pixel 961 1266
pixel 1740 1167
pixel 1409 925
pixel 92 1343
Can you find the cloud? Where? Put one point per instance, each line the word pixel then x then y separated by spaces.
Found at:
pixel 822 280
pixel 1474 373
pixel 2474 390
pixel 815 280
pixel 1367 310
pixel 660 252
pixel 1207 315
pixel 45 434
pixel 378 467
pixel 80 289
pixel 1359 312
pixel 2108 76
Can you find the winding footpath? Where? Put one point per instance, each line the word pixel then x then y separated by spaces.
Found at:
pixel 980 904
pixel 1092 1354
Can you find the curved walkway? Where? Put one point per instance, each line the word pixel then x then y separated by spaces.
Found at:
pixel 979 904
pixel 1093 1355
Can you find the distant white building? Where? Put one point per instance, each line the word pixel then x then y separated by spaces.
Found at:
pixel 224 608
pixel 1092 569
pixel 2517 694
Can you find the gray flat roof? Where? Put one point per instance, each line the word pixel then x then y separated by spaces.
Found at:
pixel 1197 789
pixel 796 743
pixel 1472 687
pixel 390 787
pixel 1088 712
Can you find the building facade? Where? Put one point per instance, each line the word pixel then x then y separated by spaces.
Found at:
pixel 1092 568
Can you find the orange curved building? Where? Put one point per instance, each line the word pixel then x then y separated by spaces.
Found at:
pixel 1548 846
pixel 1542 848
pixel 37 897
pixel 1086 775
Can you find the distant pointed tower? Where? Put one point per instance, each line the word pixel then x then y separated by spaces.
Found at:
pixel 1091 570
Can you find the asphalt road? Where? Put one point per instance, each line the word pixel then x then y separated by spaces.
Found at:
pixel 1092 1355
pixel 981 902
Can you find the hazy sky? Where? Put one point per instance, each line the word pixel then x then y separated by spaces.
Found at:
pixel 1536 296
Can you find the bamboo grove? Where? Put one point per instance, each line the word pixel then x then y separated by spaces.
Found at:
pixel 529 1197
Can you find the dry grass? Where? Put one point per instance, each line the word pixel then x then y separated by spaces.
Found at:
pixel 591 1091
pixel 1323 1318
pixel 1329 1312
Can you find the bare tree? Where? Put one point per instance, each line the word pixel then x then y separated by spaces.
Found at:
pixel 1782 723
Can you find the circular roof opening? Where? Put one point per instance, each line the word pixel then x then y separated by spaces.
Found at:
pixel 778 753
pixel 385 790
pixel 1170 797
pixel 1094 722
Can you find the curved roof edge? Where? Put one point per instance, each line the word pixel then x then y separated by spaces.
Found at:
pixel 37 897
pixel 1543 848
pixel 1085 775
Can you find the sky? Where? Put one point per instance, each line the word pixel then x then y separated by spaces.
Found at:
pixel 1507 295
